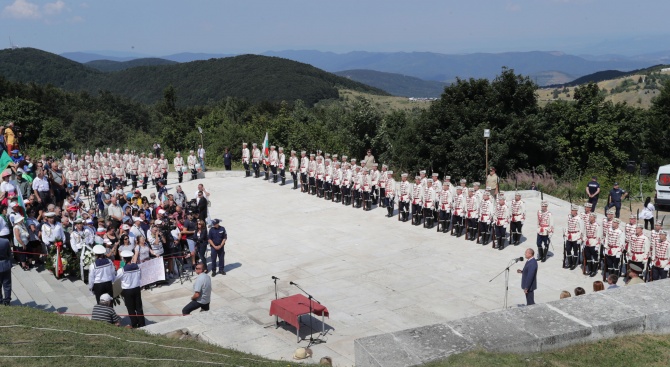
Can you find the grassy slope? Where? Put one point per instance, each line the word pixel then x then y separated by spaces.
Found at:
pixel 634 350
pixel 31 342
pixel 384 103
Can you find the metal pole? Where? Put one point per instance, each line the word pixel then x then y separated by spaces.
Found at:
pixel 487 158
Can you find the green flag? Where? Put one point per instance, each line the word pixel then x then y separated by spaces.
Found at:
pixel 5 160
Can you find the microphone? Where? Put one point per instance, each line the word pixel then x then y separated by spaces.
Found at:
pixel 518 259
pixel 274 277
pixel 291 283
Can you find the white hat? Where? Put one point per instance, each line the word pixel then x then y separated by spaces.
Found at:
pixel 422 172
pixel 545 203
pixel 50 214
pixel 137 219
pixel 302 353
pixel 105 297
pixel 158 221
pixel 18 219
pixel 125 227
pixel 574 207
pixel 99 250
pixel 126 253
pixel 161 211
pixel 389 172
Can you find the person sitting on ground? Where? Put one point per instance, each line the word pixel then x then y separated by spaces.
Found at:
pixel 611 280
pixel 202 288
pixel 104 311
pixel 565 294
pixel 579 291
pixel 598 286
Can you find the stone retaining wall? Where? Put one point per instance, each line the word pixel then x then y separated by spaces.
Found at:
pixel 637 309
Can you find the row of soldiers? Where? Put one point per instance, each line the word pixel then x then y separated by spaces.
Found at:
pixel 89 170
pixel 455 209
pixel 611 247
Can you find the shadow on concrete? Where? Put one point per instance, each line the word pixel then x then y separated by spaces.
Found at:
pixel 232 266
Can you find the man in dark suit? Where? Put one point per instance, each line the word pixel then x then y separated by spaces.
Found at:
pixel 202 206
pixel 5 272
pixel 529 277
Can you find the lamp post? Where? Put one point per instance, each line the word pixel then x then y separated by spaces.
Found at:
pixel 487 135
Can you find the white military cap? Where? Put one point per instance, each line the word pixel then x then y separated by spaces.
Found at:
pixel 303 152
pixel 430 180
pixel 423 172
pixel 632 216
pixel 417 177
pixel 463 180
pixel 486 193
pixel 593 214
pixel 404 175
pixel 327 154
pixel 293 152
pixel 459 188
pixel 471 189
pixel 617 220
pixel 244 144
pixel 488 188
pixel 99 249
pixel 272 147
pixel 126 253
pixel 384 166
pixel 389 172
pixel 545 203
pixel 334 156
pixel 447 177
pixel 445 183
pixel 254 144
pixel 358 167
pixel 281 149
pixel 327 160
pixel 435 174
pixel 337 163
pixel 344 157
pixel 588 205
pixel 663 233
pixel 375 165
pixel 501 197
pixel 312 154
pixel 640 225
pixel 574 207
pixel 353 159
pixel 517 194
pixel 476 184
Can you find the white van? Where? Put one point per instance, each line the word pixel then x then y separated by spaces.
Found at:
pixel 662 186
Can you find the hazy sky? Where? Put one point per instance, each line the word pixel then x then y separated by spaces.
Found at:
pixel 161 27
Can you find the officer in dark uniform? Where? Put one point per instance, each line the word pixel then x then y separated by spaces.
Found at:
pixel 593 191
pixel 614 199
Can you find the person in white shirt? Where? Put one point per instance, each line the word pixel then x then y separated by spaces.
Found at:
pixel 41 189
pixel 201 157
pixel 101 274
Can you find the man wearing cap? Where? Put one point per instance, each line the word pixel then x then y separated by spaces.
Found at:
pixel 573 235
pixel 255 159
pixel 80 238
pixel 246 156
pixel 614 244
pixel 281 163
pixel 191 161
pixel 639 248
pixel 304 165
pixel 659 258
pixel 593 191
pixel 615 197
pixel 374 183
pixel 320 172
pixel 178 163
pixel 311 174
pixel 428 204
pixel 629 231
pixel 437 187
pixel 545 228
pixel 104 311
pixel 131 278
pixel 274 162
pixel 202 291
pixel 217 237
pixel 383 176
pixel 591 245
pixel 459 213
pixel 518 216
pixel 417 200
pixel 369 159
pixel 484 217
pixel 634 272
pixel 501 217
pixel 293 168
pixel 389 193
pixel 337 180
pixel 492 181
pixel 445 201
pixel 471 208
pixel 50 230
pixel 101 273
pixel 423 179
pixel 404 197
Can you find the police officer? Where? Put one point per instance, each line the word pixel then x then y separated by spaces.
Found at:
pixel 593 191
pixel 615 197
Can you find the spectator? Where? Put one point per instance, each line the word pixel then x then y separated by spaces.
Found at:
pixel 227 159
pixel 369 159
pixel 155 240
pixel 103 311
pixel 125 245
pixel 21 240
pixel 202 292
pixel 10 137
pixel 5 271
pixel 142 251
pixel 532 186
pixel 188 230
pixel 579 291
pixel 634 274
pixel 59 183
pixel 201 240
pixel 7 189
pixel 217 241
pixel 611 281
pixel 180 196
pixel 598 286
pixel 115 212
pixel 3 146
pixel 202 206
pixel 41 189
pixel 201 157
pixel 157 149
pixel 565 294
pixel 648 213
pixel 593 192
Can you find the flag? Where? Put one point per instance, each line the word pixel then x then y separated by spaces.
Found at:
pixel 266 149
pixel 20 199
pixel 5 160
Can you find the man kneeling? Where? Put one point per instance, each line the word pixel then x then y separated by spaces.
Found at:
pixel 203 291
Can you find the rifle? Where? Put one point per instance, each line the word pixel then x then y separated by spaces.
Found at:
pixel 565 239
pixel 493 234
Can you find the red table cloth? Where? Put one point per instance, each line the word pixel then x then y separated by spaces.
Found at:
pixel 289 308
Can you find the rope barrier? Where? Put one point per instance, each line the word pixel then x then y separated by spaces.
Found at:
pixel 145 315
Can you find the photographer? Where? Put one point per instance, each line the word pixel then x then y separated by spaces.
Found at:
pixel 188 230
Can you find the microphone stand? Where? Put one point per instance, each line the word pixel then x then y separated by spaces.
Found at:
pixel 276 318
pixel 506 271
pixel 311 329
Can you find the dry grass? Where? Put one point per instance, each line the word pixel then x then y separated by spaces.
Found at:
pixel 384 103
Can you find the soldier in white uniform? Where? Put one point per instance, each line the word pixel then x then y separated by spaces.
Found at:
pixel 246 157
pixel 163 164
pixel 328 180
pixel 366 189
pixel 191 161
pixel 337 181
pixel 444 202
pixel 501 218
pixel 485 216
pixel 311 174
pixel 573 235
pixel 293 168
pixel 256 159
pixel 404 198
pixel 639 248
pixel 281 164
pixel 471 210
pixel 374 183
pixel 304 163
pixel 545 223
pixel 383 175
pixel 659 259
pixel 274 162
pixel 629 232
pixel 142 172
pixel 320 171
pixel 346 184
pixel 72 176
pixel 417 200
pixel 107 173
pixel 83 179
pixel 458 213
pixel 389 192
pixel 119 174
pixel 591 244
pixel 614 244
pixel 607 224
pixel 178 163
pixel 518 216
pixel 428 204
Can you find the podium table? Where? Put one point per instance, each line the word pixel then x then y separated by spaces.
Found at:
pixel 292 307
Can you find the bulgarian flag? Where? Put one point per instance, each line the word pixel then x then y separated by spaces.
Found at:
pixel 5 160
pixel 266 149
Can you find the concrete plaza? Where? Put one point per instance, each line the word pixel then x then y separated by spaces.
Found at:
pixel 375 274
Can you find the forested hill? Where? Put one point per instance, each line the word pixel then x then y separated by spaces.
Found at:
pixel 110 65
pixel 251 77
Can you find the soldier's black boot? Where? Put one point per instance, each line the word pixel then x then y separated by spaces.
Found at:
pixel 544 254
pixel 574 262
pixel 501 242
pixel 429 222
pixel 592 269
pixel 539 254
pixel 274 178
pixel 390 212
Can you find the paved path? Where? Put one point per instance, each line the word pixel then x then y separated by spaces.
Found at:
pixel 375 274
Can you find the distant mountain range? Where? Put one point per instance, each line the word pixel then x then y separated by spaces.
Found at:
pixel 252 77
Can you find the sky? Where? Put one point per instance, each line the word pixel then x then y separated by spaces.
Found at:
pixel 163 27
